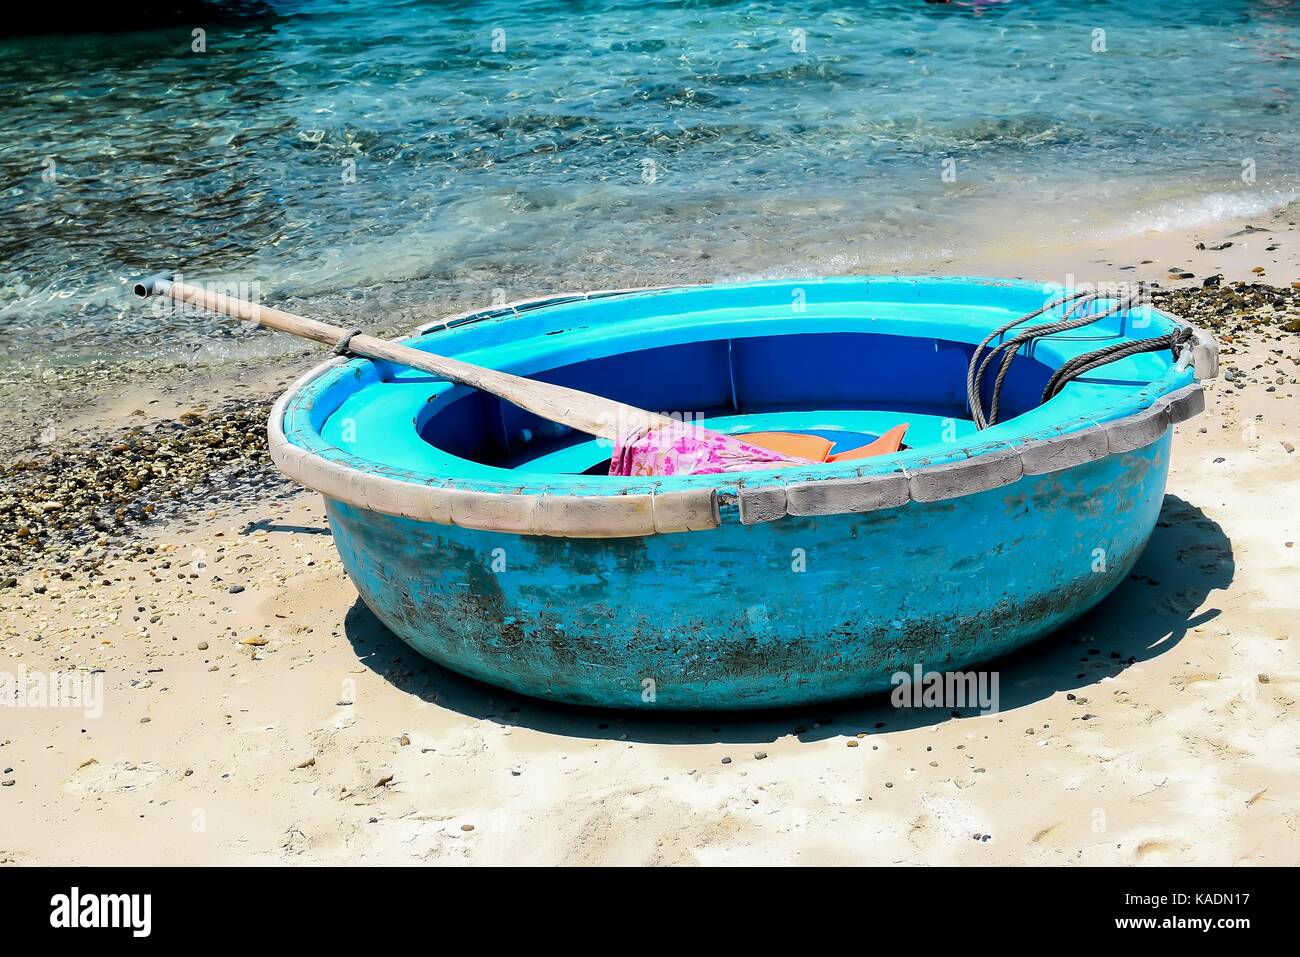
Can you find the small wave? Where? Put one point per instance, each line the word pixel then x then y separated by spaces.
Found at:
pixel 1204 210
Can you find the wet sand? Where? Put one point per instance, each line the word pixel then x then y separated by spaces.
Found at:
pixel 255 711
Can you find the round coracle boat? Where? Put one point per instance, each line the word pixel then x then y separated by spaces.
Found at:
pixel 497 543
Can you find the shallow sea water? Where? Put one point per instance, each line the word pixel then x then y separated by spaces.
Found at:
pixel 368 159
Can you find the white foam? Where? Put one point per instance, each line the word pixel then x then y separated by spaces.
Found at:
pixel 1204 210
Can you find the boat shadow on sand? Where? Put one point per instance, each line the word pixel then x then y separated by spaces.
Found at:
pixel 1187 559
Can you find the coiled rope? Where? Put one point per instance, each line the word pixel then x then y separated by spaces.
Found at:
pixel 1074 316
pixel 1118 350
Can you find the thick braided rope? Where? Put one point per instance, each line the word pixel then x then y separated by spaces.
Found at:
pixel 1068 321
pixel 1071 318
pixel 341 347
pixel 972 376
pixel 1011 347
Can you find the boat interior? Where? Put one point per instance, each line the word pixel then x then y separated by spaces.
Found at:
pixel 847 388
pixel 840 375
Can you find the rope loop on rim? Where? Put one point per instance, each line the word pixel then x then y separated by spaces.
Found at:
pixel 341 347
pixel 1111 353
pixel 1075 315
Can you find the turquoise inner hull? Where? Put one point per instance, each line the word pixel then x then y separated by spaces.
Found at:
pixel 779 613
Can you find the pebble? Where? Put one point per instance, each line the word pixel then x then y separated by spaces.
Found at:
pixel 79 497
pixel 726 760
pixel 1236 307
pixel 760 755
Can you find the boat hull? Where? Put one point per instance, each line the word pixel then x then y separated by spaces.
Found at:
pixel 764 615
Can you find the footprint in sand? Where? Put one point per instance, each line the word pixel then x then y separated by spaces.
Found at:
pixel 96 778
pixel 1154 848
pixel 1182 602
pixel 1208 557
pixel 1183 682
pixel 1045 833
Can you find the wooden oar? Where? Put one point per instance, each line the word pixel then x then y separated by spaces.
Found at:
pixel 588 413
pixel 592 414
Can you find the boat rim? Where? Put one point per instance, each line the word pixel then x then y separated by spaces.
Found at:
pixel 646 506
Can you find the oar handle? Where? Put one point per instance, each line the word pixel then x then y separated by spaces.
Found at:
pixel 163 285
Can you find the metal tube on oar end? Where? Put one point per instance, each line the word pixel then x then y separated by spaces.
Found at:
pixel 155 285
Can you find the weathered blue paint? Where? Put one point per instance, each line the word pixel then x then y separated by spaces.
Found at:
pixel 742 616
pixel 722 619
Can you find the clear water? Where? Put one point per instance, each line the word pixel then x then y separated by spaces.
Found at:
pixel 611 143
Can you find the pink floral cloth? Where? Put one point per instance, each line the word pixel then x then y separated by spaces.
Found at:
pixel 690 450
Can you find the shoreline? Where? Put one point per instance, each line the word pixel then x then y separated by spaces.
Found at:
pixel 105 389
pixel 256 712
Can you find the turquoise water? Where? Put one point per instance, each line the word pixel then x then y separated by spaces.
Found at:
pixel 609 143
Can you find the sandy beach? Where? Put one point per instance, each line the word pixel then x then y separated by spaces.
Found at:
pixel 254 710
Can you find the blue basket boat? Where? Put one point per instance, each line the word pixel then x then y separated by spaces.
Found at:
pixel 494 542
